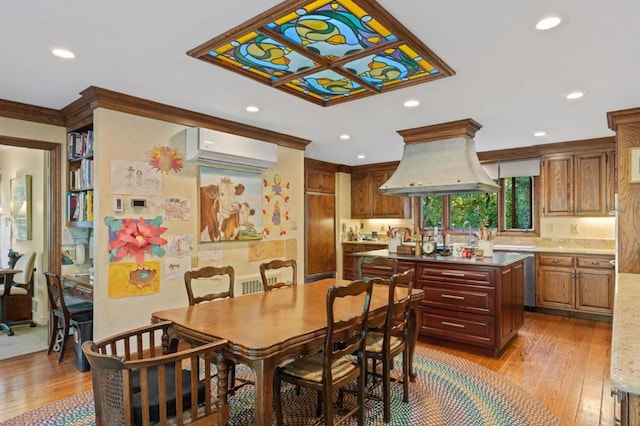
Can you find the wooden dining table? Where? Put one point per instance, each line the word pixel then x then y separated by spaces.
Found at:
pixel 264 329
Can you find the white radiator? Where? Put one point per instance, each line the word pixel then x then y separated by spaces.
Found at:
pixel 253 283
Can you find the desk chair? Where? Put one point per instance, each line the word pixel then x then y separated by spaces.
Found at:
pixel 333 368
pixel 206 274
pixel 278 264
pixel 133 384
pixel 376 267
pixel 16 293
pixel 64 311
pixel 391 338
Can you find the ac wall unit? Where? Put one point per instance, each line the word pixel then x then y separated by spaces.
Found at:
pixel 229 151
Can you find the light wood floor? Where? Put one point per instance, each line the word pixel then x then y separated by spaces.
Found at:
pixel 564 362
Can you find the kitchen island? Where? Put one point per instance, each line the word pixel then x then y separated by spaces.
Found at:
pixel 473 304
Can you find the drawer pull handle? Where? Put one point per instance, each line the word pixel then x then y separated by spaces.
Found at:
pixel 595 263
pixel 556 261
pixel 453 324
pixel 454 274
pixel 450 296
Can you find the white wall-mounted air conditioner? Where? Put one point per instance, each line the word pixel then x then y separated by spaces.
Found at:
pixel 229 151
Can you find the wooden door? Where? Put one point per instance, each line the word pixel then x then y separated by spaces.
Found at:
pixel 594 290
pixel 320 230
pixel 590 190
pixel 555 288
pixel 360 196
pixel 557 185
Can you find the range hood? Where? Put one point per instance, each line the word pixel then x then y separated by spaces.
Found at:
pixel 439 160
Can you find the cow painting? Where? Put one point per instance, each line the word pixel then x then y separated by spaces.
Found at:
pixel 225 207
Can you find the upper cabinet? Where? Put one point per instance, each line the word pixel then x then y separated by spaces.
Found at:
pixel 319 180
pixel 578 184
pixel 367 202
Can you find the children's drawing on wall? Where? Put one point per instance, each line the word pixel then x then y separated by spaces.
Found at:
pixel 177 208
pixel 133 238
pixel 210 255
pixel 275 208
pixel 179 245
pixel 155 204
pixel 276 188
pixel 130 279
pixel 228 200
pixel 164 159
pixel 175 267
pixel 135 178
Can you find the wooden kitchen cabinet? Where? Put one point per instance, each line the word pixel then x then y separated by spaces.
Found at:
pixel 367 202
pixel 578 184
pixel 578 283
pixel 320 240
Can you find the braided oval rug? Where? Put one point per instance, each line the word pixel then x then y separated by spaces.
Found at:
pixel 448 391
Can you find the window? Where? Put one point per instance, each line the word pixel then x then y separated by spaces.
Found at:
pixel 516 201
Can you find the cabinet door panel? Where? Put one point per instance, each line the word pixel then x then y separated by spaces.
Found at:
pixel 321 252
pixel 558 185
pixel 319 181
pixel 595 291
pixel 556 288
pixel 360 196
pixel 590 184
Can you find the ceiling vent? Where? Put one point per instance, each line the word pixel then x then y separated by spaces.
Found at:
pixel 229 151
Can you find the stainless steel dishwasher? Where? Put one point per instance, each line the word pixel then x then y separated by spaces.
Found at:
pixel 530 281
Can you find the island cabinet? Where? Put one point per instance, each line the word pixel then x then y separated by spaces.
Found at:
pixel 468 304
pixel 575 283
pixel 350 263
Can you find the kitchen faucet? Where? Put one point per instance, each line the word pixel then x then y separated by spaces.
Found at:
pixel 466 225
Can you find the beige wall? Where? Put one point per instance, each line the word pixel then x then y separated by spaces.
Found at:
pixel 121 136
pixel 16 162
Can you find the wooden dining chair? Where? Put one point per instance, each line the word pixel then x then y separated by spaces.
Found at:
pixel 16 294
pixel 376 267
pixel 333 367
pixel 134 383
pixel 64 310
pixel 278 264
pixel 206 274
pixel 391 338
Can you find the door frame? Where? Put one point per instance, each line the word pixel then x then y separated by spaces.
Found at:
pixel 54 193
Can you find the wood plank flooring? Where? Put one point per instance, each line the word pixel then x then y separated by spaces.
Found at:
pixel 562 361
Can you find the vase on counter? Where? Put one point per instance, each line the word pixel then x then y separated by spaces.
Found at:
pixel 487 247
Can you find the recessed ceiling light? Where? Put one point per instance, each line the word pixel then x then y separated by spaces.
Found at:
pixel 548 23
pixel 411 103
pixel 361 157
pixel 252 108
pixel 344 136
pixel 540 134
pixel 63 53
pixel 575 95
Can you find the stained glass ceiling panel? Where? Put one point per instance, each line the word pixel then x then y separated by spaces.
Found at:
pixel 325 51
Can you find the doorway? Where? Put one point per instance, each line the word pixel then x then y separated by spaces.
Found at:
pixel 17 160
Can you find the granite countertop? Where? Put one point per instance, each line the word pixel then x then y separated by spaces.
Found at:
pixel 625 344
pixel 498 259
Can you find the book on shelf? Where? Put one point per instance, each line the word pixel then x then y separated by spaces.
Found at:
pixel 80 145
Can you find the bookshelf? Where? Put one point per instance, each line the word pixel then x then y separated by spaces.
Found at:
pixel 80 178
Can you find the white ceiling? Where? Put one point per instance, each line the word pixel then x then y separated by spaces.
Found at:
pixel 509 77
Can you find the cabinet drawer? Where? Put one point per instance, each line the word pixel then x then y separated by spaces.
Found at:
pixel 477 276
pixel 352 248
pixel 461 298
pixel 555 260
pixel 458 326
pixel 594 262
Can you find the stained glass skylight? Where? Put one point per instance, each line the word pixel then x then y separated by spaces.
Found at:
pixel 325 51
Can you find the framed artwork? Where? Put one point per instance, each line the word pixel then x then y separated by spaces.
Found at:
pixel 228 201
pixel 634 167
pixel 21 207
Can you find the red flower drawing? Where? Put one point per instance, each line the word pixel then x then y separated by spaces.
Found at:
pixel 136 238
